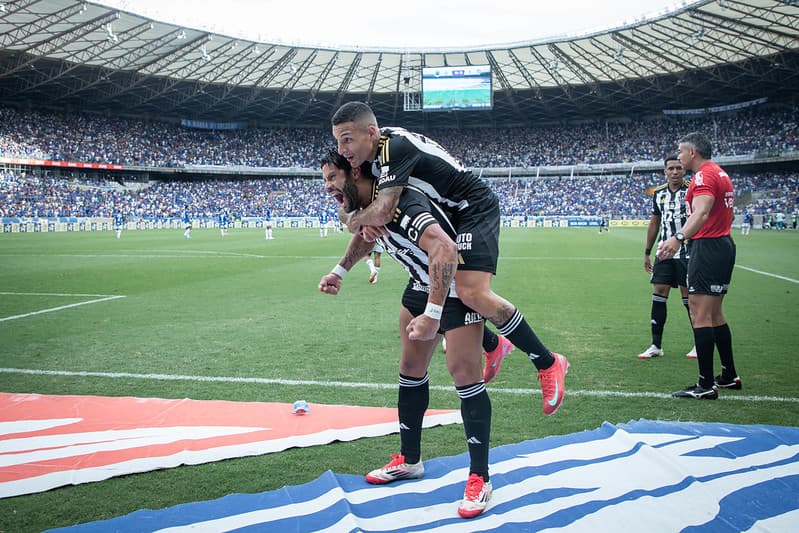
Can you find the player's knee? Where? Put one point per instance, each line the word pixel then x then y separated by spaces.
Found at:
pixel 474 295
pixel 464 373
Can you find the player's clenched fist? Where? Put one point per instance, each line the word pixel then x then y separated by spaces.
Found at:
pixel 330 284
pixel 422 328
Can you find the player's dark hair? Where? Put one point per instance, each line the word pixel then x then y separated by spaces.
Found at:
pixel 336 159
pixel 701 142
pixel 670 156
pixel 353 112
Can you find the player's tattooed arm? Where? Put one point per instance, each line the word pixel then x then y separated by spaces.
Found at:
pixel 378 213
pixel 443 261
pixel 441 275
pixel 357 249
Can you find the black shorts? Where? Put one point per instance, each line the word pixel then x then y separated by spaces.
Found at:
pixel 478 235
pixel 670 272
pixel 710 266
pixel 455 314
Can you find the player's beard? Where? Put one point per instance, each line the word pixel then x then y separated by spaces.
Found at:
pixel 351 198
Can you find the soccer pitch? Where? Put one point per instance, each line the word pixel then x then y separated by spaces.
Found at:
pixel 157 315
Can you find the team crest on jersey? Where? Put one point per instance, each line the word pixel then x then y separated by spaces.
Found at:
pixel 698 178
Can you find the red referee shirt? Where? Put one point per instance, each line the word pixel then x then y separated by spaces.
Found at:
pixel 712 180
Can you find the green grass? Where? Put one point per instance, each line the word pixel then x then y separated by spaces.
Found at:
pixel 241 306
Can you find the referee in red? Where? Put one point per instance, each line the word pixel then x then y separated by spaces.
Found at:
pixel 710 199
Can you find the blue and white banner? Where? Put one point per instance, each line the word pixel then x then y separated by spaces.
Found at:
pixel 651 476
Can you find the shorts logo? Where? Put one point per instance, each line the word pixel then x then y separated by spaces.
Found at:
pixel 419 287
pixel 472 318
pixel 464 241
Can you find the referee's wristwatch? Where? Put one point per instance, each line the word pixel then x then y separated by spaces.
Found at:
pixel 680 237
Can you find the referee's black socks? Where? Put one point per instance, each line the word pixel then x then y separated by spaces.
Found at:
pixel 705 343
pixel 723 338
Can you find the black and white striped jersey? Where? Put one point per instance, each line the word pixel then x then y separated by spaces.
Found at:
pixel 670 206
pixel 415 213
pixel 405 158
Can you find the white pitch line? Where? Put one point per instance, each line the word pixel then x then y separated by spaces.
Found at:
pixel 194 254
pixel 769 274
pixel 69 294
pixel 357 385
pixel 172 256
pixel 61 307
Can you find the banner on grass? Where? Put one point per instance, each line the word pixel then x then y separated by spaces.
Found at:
pixel 652 476
pixel 51 441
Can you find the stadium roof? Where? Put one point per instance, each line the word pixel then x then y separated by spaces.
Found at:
pixel 79 55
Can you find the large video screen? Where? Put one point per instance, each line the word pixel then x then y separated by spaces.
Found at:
pixel 446 88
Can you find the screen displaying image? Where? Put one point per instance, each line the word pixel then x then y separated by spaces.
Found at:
pixel 467 87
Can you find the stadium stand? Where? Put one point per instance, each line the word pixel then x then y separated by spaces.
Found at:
pixel 625 197
pixel 100 139
pixel 133 143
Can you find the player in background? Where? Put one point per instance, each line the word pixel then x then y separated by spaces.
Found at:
pixel 373 262
pixel 710 199
pixel 401 159
pixel 119 223
pixel 324 220
pixel 780 220
pixel 222 219
pixel 268 223
pixel 669 214
pixel 421 238
pixel 186 218
pixel 746 225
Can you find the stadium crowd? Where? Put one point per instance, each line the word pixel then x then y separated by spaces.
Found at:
pixel 621 196
pixel 99 139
